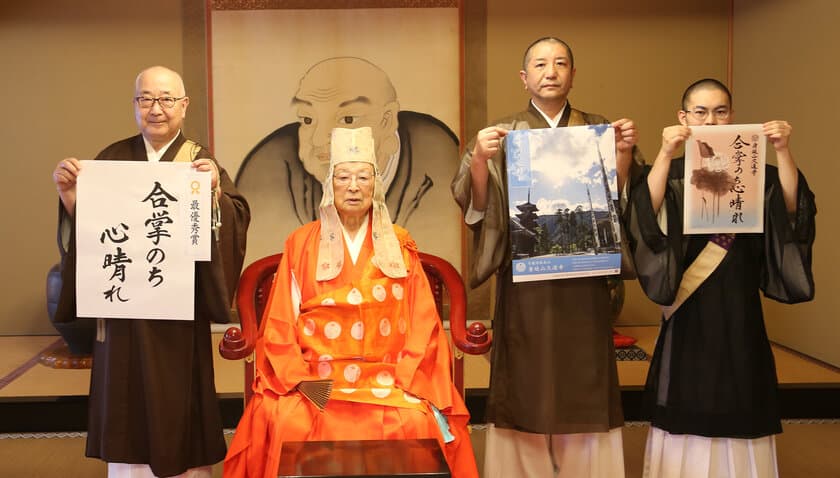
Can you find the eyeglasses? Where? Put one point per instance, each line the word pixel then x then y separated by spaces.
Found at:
pixel 700 114
pixel 167 102
pixel 344 179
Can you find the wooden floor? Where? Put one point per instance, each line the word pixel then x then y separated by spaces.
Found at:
pixel 806 448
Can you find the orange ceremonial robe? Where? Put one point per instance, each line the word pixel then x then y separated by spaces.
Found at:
pixel 379 339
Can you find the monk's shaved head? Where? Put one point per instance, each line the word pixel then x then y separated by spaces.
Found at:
pixel 163 71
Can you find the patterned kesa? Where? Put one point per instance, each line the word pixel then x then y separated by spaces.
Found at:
pixel 355 335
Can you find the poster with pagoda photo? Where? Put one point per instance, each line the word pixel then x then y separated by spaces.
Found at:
pixel 563 202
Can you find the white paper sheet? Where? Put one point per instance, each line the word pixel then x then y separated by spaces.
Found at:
pixel 140 227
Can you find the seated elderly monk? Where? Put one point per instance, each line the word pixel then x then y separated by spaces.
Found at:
pixel 351 304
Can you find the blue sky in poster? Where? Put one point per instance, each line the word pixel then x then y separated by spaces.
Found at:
pixel 558 164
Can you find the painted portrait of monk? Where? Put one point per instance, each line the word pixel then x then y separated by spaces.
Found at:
pixel 277 99
pixel 282 175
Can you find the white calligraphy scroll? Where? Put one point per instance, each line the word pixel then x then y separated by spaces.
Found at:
pixel 140 227
pixel 724 179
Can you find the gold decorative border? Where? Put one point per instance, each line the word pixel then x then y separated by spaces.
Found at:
pixel 327 4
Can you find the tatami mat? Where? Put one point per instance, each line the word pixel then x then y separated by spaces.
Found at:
pixel 17 351
pixel 806 448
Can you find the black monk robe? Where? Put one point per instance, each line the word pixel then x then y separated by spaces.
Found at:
pixel 152 392
pixel 712 372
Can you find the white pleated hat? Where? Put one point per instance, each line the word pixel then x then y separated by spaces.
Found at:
pixel 356 145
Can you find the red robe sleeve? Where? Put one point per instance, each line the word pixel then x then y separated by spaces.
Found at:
pixel 279 361
pixel 426 367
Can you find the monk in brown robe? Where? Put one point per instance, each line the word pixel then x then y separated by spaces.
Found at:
pixel 554 407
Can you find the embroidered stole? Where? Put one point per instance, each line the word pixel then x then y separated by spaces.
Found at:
pixel 187 152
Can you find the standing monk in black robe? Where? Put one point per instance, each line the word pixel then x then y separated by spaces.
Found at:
pixel 153 409
pixel 711 390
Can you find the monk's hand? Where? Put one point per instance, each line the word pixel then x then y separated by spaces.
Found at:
pixel 487 142
pixel 206 164
pixel 673 137
pixel 778 132
pixel 626 135
pixel 66 173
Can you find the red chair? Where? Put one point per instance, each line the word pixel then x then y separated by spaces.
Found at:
pixel 447 288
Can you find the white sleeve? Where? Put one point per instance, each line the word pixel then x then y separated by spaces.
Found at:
pixel 472 216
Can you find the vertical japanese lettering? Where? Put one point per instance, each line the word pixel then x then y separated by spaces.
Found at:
pixel 157 225
pixel 116 261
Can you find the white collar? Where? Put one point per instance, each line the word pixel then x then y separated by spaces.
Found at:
pixel 354 246
pixel 553 122
pixel 153 155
